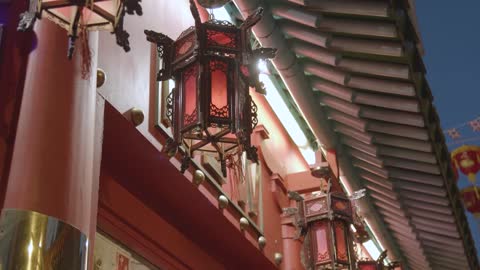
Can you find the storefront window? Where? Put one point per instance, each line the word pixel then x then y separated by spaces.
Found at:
pixel 110 255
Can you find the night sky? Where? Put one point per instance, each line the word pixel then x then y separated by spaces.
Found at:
pixel 451 37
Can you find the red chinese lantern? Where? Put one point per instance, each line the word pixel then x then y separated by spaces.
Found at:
pixel 213 65
pixel 471 200
pixel 467 159
pixel 328 243
pixel 83 15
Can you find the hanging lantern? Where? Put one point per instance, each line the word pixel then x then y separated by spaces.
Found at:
pixel 329 244
pixel 83 15
pixel 467 159
pixel 471 200
pixel 213 66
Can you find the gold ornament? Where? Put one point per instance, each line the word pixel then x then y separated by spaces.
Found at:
pixel 244 223
pixel 198 177
pixel 101 77
pixel 137 116
pixel 262 242
pixel 278 257
pixel 222 202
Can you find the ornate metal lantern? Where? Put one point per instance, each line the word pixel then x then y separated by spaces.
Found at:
pixel 82 15
pixel 329 244
pixel 213 65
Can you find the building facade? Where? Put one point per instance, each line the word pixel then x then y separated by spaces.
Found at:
pixel 85 183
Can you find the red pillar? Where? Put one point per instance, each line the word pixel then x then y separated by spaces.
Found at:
pixel 52 188
pixel 292 243
pixel 14 51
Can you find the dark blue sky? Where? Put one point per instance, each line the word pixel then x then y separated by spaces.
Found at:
pixel 451 37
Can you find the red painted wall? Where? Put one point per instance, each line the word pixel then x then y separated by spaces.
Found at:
pixel 125 217
pixel 14 51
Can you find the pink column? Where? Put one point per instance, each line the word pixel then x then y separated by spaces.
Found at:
pixel 52 188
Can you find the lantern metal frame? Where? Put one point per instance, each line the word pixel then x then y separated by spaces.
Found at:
pixel 112 21
pixel 200 51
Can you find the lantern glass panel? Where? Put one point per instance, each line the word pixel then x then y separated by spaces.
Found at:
pixel 340 241
pixel 317 206
pixel 219 89
pixel 221 38
pixel 185 45
pixel 189 86
pixel 341 206
pixel 321 241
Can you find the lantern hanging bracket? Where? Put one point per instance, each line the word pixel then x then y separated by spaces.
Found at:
pixel 195 14
pixel 252 19
pixel 164 48
pixel 382 257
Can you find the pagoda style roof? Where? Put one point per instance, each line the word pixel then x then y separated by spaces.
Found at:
pixel 360 62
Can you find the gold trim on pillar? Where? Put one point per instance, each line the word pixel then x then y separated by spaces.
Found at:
pixel 33 241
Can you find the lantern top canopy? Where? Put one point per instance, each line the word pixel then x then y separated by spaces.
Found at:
pixel 331 205
pixel 213 66
pixel 83 15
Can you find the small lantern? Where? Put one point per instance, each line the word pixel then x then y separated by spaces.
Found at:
pixel 83 15
pixel 471 200
pixel 213 66
pixel 330 245
pixel 467 159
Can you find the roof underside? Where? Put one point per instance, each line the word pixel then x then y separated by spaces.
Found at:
pixel 363 62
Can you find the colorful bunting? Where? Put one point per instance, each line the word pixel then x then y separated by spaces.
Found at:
pixel 475 124
pixel 453 133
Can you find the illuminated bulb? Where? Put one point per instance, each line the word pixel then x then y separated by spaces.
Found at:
pixel 262 66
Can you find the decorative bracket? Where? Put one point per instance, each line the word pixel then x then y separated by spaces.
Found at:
pixel 164 49
pixel 28 18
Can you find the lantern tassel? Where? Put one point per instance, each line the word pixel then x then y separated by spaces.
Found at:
pixel 86 54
